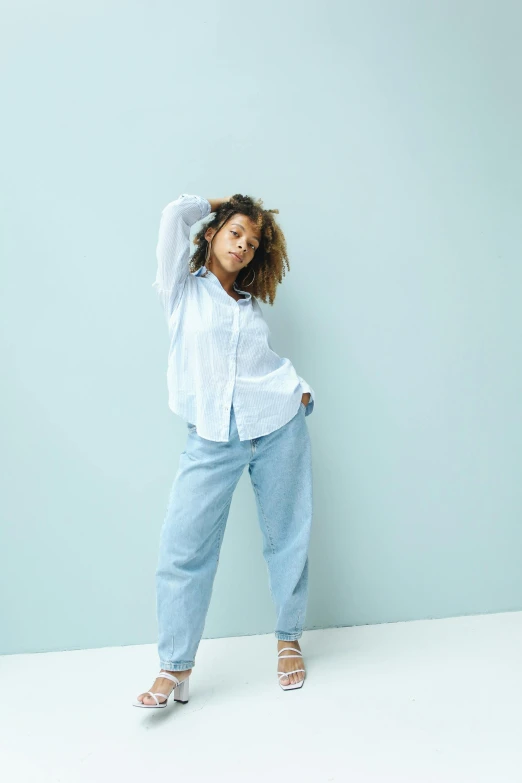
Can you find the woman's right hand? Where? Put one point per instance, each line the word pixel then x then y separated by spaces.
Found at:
pixel 216 202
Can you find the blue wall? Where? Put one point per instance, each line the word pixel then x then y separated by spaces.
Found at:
pixel 388 135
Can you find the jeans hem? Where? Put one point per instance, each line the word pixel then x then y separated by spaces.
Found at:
pixel 288 637
pixel 180 666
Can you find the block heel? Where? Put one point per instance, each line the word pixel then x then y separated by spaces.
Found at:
pixel 181 693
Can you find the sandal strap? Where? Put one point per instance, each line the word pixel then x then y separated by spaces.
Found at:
pixel 154 696
pixel 293 649
pixel 285 674
pixel 169 677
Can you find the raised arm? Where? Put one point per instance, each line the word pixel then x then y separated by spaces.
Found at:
pixel 173 248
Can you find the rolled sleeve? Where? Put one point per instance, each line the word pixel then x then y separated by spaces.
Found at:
pixel 173 246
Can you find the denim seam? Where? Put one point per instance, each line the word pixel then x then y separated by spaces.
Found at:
pixel 264 517
pixel 220 539
pixel 269 537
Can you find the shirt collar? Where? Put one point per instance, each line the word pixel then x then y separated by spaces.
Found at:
pixel 214 279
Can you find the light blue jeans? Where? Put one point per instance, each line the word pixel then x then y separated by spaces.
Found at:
pixel 280 468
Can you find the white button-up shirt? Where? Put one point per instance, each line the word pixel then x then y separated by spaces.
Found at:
pixel 219 352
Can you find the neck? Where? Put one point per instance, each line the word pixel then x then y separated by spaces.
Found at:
pixel 226 279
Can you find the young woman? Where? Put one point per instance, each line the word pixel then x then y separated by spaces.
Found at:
pixel 244 405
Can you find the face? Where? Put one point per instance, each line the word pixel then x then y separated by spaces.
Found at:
pixel 240 236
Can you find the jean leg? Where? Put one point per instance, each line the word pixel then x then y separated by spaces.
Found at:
pixel 281 476
pixel 190 544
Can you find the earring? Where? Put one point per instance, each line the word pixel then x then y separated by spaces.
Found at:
pixel 253 270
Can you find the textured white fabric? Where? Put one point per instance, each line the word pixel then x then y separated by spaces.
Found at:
pixel 220 353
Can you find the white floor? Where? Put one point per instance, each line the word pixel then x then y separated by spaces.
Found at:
pixel 435 700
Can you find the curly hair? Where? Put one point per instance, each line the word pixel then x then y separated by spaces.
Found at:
pixel 270 257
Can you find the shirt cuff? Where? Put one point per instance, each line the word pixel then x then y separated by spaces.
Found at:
pixel 306 388
pixel 203 204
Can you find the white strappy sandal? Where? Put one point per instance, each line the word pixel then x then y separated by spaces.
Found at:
pixel 180 691
pixel 291 685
